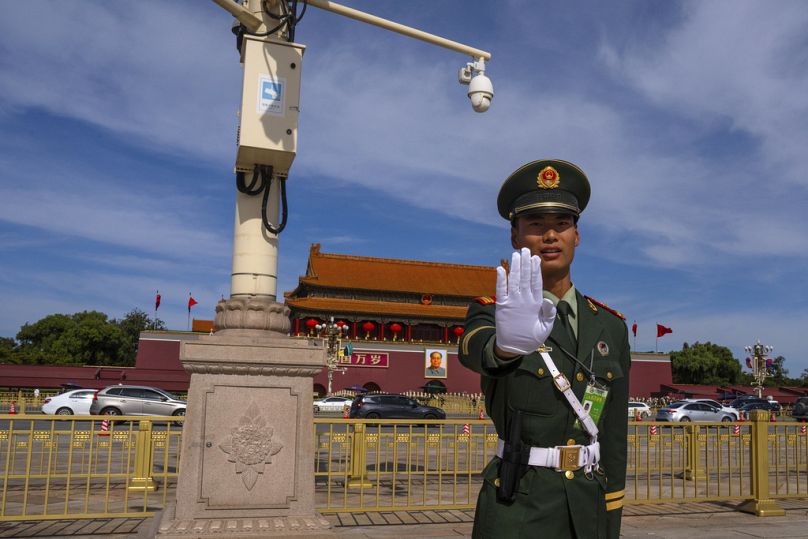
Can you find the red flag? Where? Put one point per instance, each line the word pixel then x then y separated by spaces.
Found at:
pixel 191 302
pixel 634 328
pixel 749 362
pixel 157 301
pixel 662 330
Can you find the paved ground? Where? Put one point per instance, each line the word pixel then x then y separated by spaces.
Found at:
pixel 671 521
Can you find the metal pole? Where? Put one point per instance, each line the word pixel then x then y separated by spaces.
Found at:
pixel 399 28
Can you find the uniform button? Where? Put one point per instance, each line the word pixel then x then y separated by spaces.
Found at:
pixel 579 376
pixel 540 372
pixel 568 474
pixel 609 375
pixel 496 482
pixel 570 442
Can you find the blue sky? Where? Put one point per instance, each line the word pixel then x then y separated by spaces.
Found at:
pixel 117 145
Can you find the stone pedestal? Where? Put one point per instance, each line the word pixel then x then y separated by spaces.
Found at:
pixel 247 461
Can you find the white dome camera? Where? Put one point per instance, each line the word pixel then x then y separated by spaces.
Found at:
pixel 481 92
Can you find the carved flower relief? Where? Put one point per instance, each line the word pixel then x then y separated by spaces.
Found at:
pixel 250 446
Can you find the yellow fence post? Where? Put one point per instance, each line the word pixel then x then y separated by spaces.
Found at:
pixel 761 505
pixel 358 459
pixel 141 479
pixel 694 470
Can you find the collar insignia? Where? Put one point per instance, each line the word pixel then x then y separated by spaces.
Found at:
pixel 548 178
pixel 591 305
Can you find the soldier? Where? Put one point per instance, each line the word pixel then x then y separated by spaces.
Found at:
pixel 554 368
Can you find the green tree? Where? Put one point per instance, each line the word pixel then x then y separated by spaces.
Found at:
pixel 88 338
pixel 41 342
pixel 132 324
pixel 705 363
pixel 8 350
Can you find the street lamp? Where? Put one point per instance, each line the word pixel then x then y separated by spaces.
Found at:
pixel 758 364
pixel 267 144
pixel 332 333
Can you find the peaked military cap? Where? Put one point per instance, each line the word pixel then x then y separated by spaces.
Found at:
pixel 545 186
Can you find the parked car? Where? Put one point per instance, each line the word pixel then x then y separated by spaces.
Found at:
pixel 740 401
pixel 800 410
pixel 392 407
pixel 640 408
pixel 76 402
pixel 685 411
pixel 331 404
pixel 711 402
pixel 759 404
pixel 136 400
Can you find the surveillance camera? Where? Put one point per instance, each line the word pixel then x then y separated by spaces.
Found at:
pixel 481 91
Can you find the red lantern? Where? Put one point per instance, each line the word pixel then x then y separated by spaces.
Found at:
pixel 395 328
pixel 340 323
pixel 311 323
pixel 368 327
pixel 458 331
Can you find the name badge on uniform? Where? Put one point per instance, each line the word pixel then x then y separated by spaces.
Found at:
pixel 593 402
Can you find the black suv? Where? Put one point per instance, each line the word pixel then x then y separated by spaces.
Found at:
pixel 800 410
pixel 392 407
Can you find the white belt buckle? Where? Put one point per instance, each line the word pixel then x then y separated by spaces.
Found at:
pixel 568 457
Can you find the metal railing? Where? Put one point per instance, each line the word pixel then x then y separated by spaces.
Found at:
pixel 59 467
pixel 375 465
pixel 53 467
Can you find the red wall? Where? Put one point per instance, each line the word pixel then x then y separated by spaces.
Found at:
pixel 158 365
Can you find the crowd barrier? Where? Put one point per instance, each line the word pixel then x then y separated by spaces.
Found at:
pixel 67 467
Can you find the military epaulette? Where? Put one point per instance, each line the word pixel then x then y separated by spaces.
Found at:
pixel 486 300
pixel 592 302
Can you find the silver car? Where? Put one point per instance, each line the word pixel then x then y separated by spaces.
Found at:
pixel 136 400
pixel 728 409
pixel 684 412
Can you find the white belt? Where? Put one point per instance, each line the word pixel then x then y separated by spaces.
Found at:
pixel 561 457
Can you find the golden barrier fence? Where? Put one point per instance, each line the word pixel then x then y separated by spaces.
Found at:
pixel 53 467
pixel 376 465
pixel 56 466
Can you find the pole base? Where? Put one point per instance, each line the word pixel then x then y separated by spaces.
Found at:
pixel 762 508
pixel 359 482
pixel 252 316
pixel 141 484
pixel 165 526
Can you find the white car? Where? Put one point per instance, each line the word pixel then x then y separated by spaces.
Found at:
pixel 76 402
pixel 331 404
pixel 640 408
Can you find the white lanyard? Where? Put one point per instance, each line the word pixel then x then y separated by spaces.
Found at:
pixel 565 387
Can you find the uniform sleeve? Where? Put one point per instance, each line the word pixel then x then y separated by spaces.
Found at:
pixel 476 349
pixel 614 436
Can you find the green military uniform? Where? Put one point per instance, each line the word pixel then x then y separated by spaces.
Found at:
pixel 549 503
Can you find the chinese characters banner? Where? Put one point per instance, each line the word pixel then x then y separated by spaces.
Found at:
pixel 365 360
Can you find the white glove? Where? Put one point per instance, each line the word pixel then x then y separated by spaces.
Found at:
pixel 524 318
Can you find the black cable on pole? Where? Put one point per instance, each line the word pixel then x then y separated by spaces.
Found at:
pixel 264 174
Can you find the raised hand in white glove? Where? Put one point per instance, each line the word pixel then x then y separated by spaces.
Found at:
pixel 524 318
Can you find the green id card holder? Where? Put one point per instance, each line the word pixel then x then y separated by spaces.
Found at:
pixel 593 402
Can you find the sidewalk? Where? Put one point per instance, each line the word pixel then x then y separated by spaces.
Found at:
pixel 660 521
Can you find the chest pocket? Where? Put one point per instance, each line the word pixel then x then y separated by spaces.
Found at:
pixel 607 371
pixel 531 389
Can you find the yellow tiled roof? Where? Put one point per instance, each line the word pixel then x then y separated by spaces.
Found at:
pixel 375 308
pixel 389 274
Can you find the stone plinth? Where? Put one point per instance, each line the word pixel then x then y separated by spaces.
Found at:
pixel 246 466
